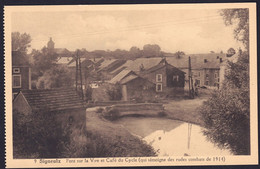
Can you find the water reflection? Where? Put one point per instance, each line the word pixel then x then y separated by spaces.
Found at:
pixel 170 137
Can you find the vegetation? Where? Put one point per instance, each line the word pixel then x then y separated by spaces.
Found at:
pixel 88 93
pixel 110 113
pixel 40 135
pixel 227 113
pixel 55 77
pixel 114 92
pixel 37 135
pixel 21 42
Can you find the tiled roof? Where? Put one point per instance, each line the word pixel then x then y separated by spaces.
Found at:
pixel 64 60
pixel 146 62
pixel 72 63
pixel 121 76
pixel 63 51
pixel 105 63
pixel 114 65
pixel 128 79
pixel 121 67
pixel 197 61
pixel 53 99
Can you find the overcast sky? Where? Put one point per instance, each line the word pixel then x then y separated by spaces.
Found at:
pixel 188 30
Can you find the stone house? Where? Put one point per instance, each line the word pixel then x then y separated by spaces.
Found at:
pixel 67 106
pixel 21 73
pixel 169 80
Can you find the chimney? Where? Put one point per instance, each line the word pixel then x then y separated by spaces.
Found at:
pixel 220 60
pixel 205 60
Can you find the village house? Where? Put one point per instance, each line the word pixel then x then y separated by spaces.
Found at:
pixel 21 72
pixel 205 67
pixel 133 86
pixel 169 80
pixel 68 108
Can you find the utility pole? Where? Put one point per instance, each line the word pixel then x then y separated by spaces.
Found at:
pixel 79 73
pixel 191 89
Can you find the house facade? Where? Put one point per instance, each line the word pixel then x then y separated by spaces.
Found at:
pixel 133 86
pixel 168 79
pixel 21 72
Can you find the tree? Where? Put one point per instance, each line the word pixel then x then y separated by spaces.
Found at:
pixel 151 50
pixel 135 52
pixel 227 113
pixel 55 77
pixel 240 17
pixel 179 54
pixel 231 51
pixel 44 60
pixel 21 42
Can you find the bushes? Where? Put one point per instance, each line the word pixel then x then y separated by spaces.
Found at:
pixel 114 92
pixel 226 117
pixel 88 93
pixel 37 135
pixel 110 113
pixel 227 113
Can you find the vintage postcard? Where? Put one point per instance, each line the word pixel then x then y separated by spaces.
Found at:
pixel 131 85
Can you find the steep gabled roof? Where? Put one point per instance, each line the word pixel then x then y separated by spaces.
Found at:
pixel 120 76
pixel 53 99
pixel 163 63
pixel 114 65
pixel 105 63
pixel 197 61
pixel 128 79
pixel 64 60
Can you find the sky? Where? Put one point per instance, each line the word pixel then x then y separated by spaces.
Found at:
pixel 188 30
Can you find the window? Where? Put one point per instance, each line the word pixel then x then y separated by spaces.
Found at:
pixel 175 78
pixel 207 83
pixel 158 87
pixel 159 78
pixel 17 81
pixel 199 74
pixel 16 70
pixel 197 82
pixel 207 75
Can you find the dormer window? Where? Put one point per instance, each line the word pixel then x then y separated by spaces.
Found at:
pixel 159 78
pixel 16 70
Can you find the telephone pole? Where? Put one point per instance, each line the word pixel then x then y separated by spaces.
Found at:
pixel 79 88
pixel 191 89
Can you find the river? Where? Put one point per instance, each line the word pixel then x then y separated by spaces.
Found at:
pixel 170 137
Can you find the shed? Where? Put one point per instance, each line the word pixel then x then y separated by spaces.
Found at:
pixel 137 88
pixel 64 102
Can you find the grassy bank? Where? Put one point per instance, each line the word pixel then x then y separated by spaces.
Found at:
pixel 185 110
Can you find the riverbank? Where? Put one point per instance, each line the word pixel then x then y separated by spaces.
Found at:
pixel 113 140
pixel 186 110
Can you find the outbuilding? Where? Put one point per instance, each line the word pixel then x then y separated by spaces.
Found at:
pixel 63 102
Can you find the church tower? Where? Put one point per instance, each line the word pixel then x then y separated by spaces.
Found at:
pixel 50 44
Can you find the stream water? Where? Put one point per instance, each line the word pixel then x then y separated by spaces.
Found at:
pixel 170 137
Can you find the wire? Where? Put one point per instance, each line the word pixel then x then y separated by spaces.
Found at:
pixel 146 26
